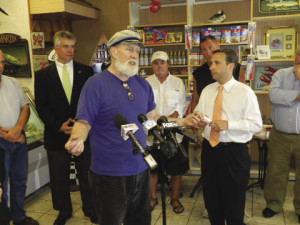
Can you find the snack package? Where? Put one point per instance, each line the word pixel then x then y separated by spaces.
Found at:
pixel 250 67
pixel 217 35
pixel 235 34
pixel 225 36
pixel 244 34
pixel 206 32
pixel 178 37
pixel 160 37
pixel 149 36
pixel 194 58
pixel 170 38
pixel 142 35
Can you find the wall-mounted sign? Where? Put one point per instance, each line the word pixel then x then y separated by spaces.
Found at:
pixel 16 54
pixel 275 6
pixel 38 40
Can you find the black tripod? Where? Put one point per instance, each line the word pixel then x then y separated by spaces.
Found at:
pixel 199 183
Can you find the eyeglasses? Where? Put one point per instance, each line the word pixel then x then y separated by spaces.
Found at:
pixel 130 94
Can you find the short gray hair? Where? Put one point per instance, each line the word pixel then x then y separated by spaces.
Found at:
pixel 63 34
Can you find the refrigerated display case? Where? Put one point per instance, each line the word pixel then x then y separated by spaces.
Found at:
pixel 38 171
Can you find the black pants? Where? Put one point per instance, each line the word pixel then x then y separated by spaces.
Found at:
pixel 59 167
pixel 225 172
pixel 122 199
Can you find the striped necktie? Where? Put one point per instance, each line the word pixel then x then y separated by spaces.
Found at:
pixel 67 83
pixel 214 138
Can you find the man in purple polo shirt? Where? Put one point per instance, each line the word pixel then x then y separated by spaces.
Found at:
pixel 119 179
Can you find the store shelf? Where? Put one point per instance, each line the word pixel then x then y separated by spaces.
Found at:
pixel 160 25
pixel 260 92
pixel 273 60
pixel 221 24
pixel 226 44
pixel 159 45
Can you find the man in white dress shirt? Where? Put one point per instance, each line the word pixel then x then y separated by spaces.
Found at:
pixel 169 96
pixel 225 162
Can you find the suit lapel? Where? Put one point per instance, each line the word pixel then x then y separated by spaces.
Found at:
pixel 76 81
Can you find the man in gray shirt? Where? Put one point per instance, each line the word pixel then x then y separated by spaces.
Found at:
pixel 284 138
pixel 14 114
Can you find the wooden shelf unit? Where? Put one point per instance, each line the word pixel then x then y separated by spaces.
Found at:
pixel 194 13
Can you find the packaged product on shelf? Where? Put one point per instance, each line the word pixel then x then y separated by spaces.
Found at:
pixel 178 37
pixel 188 37
pixel 146 57
pixel 142 35
pixel 194 58
pixel 244 34
pixel 174 72
pixel 149 36
pixel 235 34
pixel 217 35
pixel 196 38
pixel 183 72
pixel 160 37
pixel 170 38
pixel 225 36
pixel 206 32
pixel 251 33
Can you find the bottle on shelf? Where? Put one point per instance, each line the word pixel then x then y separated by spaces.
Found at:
pixel 183 58
pixel 179 59
pixel 141 58
pixel 146 57
pixel 175 58
pixel 171 58
pixel 150 56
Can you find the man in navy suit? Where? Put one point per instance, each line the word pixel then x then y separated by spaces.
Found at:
pixel 57 90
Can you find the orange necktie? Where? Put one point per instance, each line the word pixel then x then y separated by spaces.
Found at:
pixel 215 135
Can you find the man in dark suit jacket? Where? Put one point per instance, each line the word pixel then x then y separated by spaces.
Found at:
pixel 57 90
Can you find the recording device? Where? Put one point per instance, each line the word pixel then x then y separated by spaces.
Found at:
pixel 173 126
pixel 167 131
pixel 122 124
pixel 150 128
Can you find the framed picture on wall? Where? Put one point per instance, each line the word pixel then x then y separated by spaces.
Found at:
pixel 282 42
pixel 16 54
pixel 276 6
pixel 263 75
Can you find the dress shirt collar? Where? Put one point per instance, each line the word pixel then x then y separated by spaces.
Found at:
pixel 166 80
pixel 228 85
pixel 62 65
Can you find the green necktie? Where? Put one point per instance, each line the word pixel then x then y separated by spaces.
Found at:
pixel 67 83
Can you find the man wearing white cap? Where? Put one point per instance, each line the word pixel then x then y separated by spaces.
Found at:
pixel 119 178
pixel 169 96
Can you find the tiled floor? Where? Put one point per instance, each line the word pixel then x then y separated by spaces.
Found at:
pixel 39 206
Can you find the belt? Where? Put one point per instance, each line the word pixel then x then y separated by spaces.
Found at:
pixel 225 144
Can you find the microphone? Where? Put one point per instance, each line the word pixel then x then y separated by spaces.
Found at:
pixel 167 128
pixel 150 128
pixel 122 124
pixel 173 126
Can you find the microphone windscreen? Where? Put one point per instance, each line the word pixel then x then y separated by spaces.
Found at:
pixel 120 120
pixel 142 118
pixel 161 120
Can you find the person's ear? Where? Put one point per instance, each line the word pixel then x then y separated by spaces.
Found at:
pixel 113 51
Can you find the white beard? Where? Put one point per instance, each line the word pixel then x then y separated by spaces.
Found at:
pixel 126 68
